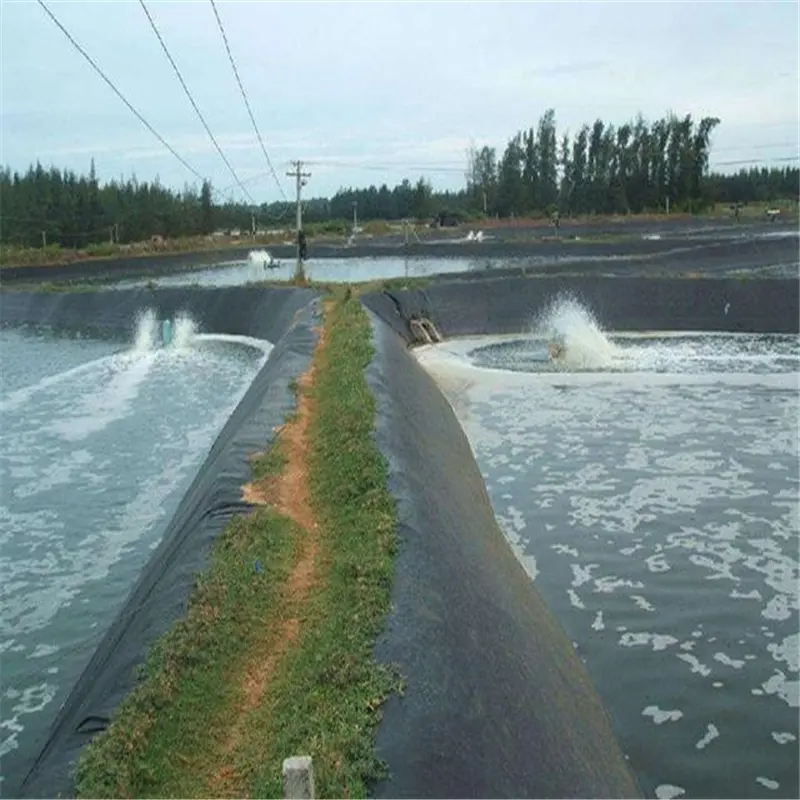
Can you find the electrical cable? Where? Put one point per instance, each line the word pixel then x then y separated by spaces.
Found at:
pixel 120 95
pixel 246 102
pixel 194 104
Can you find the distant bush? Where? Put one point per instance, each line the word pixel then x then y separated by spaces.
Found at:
pixel 102 249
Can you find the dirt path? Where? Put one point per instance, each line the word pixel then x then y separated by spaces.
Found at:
pixel 288 494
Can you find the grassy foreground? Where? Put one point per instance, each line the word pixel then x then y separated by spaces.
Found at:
pixel 274 657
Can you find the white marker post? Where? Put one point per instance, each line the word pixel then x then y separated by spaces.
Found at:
pixel 298 778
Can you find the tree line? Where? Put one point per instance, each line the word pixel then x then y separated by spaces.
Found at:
pixel 602 168
pixel 633 167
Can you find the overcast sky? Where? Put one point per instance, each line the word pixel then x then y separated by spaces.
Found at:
pixel 353 87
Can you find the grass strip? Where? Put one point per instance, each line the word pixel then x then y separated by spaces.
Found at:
pixel 183 689
pixel 328 693
pixel 172 735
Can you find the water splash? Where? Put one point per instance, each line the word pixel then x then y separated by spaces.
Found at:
pixel 185 331
pixel 147 332
pixel 261 258
pixel 581 341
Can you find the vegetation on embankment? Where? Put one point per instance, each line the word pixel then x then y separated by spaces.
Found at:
pixel 274 657
pixel 55 255
pixel 335 231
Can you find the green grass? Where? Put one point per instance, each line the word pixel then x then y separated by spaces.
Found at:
pixel 183 687
pixel 337 289
pixel 324 696
pixel 329 693
pixel 53 255
pixel 272 462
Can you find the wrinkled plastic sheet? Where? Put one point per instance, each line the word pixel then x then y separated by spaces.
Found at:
pixel 106 269
pixel 285 317
pixel 496 702
pixel 260 312
pixel 709 257
pixel 511 304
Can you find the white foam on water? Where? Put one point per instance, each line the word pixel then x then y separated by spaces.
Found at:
pixel 787 651
pixel 97 407
pixel 260 258
pixel 698 668
pixel 104 391
pixel 668 791
pixel 185 331
pixel 106 398
pixel 19 397
pixel 712 732
pixel 573 326
pixel 642 603
pixel 585 346
pixel 655 640
pixel 680 456
pixel 147 332
pixel 778 684
pixel 262 345
pixel 55 563
pixel 734 663
pixel 660 716
pixel 575 600
pixel 30 701
pixel 260 265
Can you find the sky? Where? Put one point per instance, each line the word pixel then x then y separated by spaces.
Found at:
pixel 369 92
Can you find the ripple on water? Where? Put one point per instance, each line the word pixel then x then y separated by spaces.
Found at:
pixel 96 453
pixel 666 510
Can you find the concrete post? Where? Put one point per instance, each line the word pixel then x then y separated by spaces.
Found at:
pixel 298 778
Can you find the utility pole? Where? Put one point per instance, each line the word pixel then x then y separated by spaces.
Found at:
pixel 355 216
pixel 44 239
pixel 299 177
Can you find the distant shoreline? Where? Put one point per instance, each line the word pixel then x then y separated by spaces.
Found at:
pixel 640 235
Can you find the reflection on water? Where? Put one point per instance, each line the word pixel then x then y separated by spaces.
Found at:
pixel 325 270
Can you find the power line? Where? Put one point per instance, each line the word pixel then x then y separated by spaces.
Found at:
pixel 194 105
pixel 120 95
pixel 459 170
pixel 755 162
pixel 246 102
pixel 771 146
pixel 389 167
